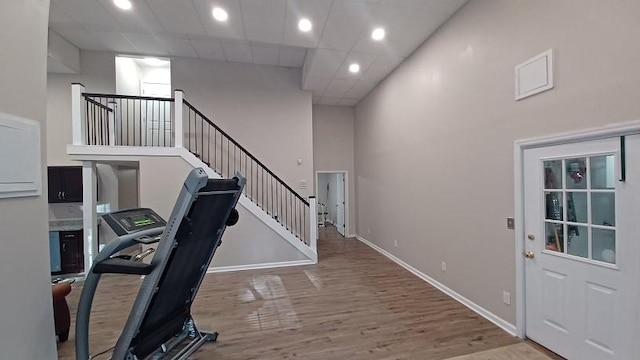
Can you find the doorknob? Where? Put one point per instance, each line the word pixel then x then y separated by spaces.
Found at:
pixel 531 237
pixel 529 254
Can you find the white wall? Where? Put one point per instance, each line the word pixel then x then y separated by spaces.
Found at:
pixel 333 148
pixel 262 107
pixel 127 76
pixel 434 141
pixel 26 312
pixel 248 242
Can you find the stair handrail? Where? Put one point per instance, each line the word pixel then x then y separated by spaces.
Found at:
pixel 204 117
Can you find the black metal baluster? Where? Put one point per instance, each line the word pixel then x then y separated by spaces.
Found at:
pixel 93 132
pixel 209 144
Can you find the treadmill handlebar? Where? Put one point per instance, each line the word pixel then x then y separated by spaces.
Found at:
pixel 149 236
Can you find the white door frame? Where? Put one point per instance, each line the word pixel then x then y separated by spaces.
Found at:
pixel 613 130
pixel 347 233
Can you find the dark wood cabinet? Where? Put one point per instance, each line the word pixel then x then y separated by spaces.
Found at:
pixel 65 184
pixel 71 252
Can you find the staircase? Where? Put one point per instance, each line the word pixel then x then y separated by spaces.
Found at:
pixel 108 125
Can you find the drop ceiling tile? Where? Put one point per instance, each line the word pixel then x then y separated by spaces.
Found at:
pixel 344 24
pixel 97 40
pixel 265 54
pixel 58 17
pixel 88 14
pixel 230 29
pixel 360 89
pixel 177 17
pixel 317 85
pixel 146 44
pixel 396 21
pixel 447 7
pixel 292 57
pixel 404 3
pixel 138 19
pixel 329 101
pixel 314 10
pixel 324 62
pixel 209 49
pixel 178 47
pixel 380 68
pixel 338 88
pixel 237 52
pixel 264 20
pixel 349 101
pixel 362 59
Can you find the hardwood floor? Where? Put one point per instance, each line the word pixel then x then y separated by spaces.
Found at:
pixel 354 304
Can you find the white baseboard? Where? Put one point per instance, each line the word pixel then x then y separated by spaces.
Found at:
pixel 221 269
pixel 500 322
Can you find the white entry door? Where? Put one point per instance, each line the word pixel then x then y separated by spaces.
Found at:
pixel 340 203
pixel 581 248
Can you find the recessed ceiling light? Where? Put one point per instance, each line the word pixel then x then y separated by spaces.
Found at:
pixel 123 4
pixel 304 25
pixel 378 34
pixel 354 68
pixel 219 14
pixel 151 61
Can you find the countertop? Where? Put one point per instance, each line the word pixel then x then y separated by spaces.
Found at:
pixel 65 225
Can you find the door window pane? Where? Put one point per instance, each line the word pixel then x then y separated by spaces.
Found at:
pixel 580 207
pixel 604 245
pixel 577 207
pixel 553 206
pixel 553 174
pixel 575 173
pixel 603 209
pixel 578 240
pixel 603 172
pixel 554 240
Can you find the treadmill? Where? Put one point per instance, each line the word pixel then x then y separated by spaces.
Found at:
pixel 160 319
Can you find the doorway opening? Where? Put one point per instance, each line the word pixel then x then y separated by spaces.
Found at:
pixel 143 76
pixel 147 80
pixel 331 192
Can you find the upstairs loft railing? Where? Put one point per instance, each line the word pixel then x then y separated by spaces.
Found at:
pixel 226 156
pixel 123 120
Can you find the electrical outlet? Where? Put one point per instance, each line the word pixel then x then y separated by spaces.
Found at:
pixel 369 231
pixel 511 223
pixel 395 243
pixel 444 266
pixel 506 298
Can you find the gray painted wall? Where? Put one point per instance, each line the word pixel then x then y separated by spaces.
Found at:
pixel 26 311
pixel 434 141
pixel 98 75
pixel 262 107
pixel 333 149
pixel 249 242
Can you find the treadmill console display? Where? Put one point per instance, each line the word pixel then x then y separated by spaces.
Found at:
pixel 133 220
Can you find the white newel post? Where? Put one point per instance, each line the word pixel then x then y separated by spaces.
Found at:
pixel 313 224
pixel 77 114
pixel 177 107
pixel 112 122
pixel 89 215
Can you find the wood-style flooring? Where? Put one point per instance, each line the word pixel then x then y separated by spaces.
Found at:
pixel 354 304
